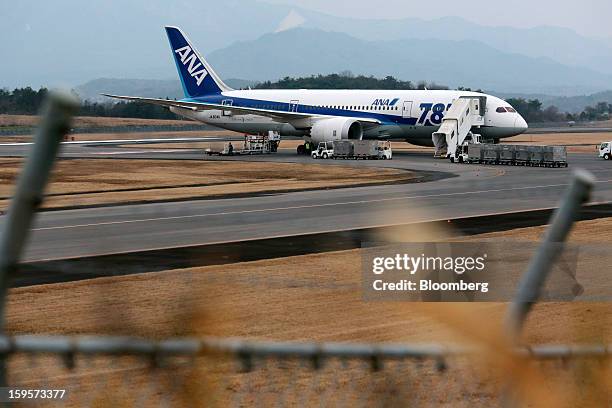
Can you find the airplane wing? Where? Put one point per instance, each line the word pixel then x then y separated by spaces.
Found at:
pixel 119 142
pixel 199 106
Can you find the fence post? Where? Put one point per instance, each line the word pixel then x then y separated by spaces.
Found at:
pixel 57 114
pixel 531 283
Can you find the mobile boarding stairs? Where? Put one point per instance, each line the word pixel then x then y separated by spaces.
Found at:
pixel 465 113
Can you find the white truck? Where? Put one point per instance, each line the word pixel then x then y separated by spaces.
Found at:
pixel 354 149
pixel 605 150
pixel 325 150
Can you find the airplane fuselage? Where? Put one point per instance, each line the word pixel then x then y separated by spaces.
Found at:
pixel 405 115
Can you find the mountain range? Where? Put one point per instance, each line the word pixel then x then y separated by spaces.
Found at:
pixel 559 44
pixel 454 63
pixel 70 42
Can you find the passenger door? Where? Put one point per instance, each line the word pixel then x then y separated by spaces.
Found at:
pixel 293 106
pixel 407 109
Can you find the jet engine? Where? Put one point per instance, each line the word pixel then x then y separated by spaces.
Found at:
pixel 329 130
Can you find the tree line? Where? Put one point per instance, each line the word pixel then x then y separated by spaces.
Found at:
pixel 346 80
pixel 27 101
pixel 533 112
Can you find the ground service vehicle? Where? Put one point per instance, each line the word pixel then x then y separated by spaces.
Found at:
pixel 384 151
pixel 362 149
pixel 325 150
pixel 253 144
pixel 605 150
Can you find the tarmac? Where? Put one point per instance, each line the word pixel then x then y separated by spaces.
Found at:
pixel 457 191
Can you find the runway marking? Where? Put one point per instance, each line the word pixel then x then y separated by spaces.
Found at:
pixel 115 153
pixel 113 142
pixel 139 152
pixel 324 231
pixel 181 217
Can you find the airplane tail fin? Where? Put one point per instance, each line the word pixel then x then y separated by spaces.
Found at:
pixel 197 76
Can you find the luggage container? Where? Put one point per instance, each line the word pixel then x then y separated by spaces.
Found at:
pixel 507 154
pixel 491 153
pixel 516 155
pixel 344 149
pixel 555 156
pixel 521 155
pixel 536 155
pixel 366 149
pixel 475 153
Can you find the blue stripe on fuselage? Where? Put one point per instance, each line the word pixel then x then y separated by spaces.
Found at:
pixel 283 107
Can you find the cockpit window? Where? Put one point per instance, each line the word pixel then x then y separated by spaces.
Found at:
pixel 511 109
pixel 501 109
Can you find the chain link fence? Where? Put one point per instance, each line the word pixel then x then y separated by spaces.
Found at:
pixel 105 371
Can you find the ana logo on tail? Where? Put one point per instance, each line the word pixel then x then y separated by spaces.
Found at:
pixel 190 61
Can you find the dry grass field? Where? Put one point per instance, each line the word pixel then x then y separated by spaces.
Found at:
pixel 304 298
pixel 104 181
pixel 84 137
pixel 87 121
pixel 312 297
pixel 88 137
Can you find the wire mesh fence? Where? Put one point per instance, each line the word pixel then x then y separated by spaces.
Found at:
pixel 106 371
pixel 128 372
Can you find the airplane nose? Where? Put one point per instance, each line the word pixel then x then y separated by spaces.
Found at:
pixel 520 124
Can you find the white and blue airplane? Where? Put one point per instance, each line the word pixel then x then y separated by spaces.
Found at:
pixel 320 115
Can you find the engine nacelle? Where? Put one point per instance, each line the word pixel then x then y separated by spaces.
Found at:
pixel 329 130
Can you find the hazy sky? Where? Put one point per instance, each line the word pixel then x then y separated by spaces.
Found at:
pixel 588 17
